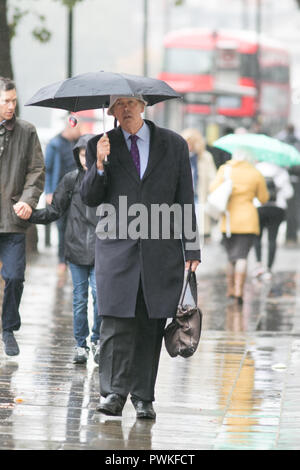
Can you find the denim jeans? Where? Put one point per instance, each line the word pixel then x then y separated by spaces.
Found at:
pixel 82 278
pixel 13 258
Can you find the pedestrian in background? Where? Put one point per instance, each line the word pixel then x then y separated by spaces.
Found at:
pixel 247 183
pixel 59 160
pixel 22 176
pixel 290 136
pixel 272 214
pixel 140 278
pixel 203 172
pixel 220 156
pixel 79 245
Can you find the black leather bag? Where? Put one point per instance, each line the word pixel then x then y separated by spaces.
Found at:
pixel 182 335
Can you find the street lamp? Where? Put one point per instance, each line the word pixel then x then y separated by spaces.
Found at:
pixel 245 14
pixel 145 39
pixel 258 33
pixel 70 41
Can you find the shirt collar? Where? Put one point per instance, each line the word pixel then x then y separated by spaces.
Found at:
pixel 143 133
pixel 9 125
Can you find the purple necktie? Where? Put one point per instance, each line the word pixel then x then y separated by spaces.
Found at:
pixel 135 152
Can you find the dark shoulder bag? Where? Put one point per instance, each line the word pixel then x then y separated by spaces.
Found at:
pixel 182 335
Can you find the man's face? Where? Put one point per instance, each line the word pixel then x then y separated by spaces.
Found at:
pixel 128 111
pixel 76 132
pixel 8 103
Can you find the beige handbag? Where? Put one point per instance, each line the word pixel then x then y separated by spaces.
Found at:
pixel 217 200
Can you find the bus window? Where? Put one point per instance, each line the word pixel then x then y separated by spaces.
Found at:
pixel 188 61
pixel 248 65
pixel 276 73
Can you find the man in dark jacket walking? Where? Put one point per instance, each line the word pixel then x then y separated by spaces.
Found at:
pixel 22 177
pixel 79 244
pixel 140 277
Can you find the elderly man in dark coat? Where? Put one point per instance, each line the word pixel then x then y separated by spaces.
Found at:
pixel 139 262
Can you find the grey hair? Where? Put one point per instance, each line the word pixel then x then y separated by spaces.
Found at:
pixel 7 84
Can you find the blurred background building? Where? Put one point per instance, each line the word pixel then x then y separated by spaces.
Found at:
pixel 131 36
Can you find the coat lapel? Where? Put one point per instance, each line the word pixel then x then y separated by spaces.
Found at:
pixel 157 149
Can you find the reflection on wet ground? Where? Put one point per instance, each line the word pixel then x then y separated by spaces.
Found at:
pixel 241 389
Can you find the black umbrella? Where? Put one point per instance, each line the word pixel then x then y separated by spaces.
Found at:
pixel 92 91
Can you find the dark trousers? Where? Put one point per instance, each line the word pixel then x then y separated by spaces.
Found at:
pixel 270 218
pixel 13 258
pixel 129 353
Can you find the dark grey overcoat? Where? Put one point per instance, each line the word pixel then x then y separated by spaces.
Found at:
pixel 122 262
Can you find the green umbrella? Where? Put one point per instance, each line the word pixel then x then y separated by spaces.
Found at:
pixel 261 147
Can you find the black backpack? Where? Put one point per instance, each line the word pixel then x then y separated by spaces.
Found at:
pixel 272 189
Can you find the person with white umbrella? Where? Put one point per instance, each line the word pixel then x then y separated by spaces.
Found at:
pixel 272 214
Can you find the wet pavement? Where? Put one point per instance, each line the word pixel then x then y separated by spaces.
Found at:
pixel 240 391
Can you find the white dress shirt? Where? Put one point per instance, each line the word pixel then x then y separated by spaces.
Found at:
pixel 143 143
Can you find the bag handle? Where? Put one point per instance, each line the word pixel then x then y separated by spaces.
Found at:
pixel 191 280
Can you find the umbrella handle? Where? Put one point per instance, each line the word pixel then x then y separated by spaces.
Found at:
pixel 103 118
pixel 106 162
pixel 104 133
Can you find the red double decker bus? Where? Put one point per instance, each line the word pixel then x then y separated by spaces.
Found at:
pixel 226 76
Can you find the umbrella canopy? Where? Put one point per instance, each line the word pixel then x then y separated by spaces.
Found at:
pixel 92 91
pixel 262 147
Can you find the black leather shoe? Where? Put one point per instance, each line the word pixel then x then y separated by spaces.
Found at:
pixel 144 409
pixel 11 347
pixel 112 405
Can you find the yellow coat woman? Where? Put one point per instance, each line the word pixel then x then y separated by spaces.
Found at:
pixel 247 184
